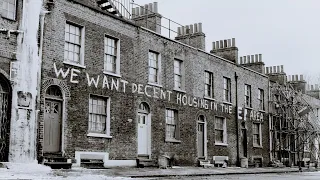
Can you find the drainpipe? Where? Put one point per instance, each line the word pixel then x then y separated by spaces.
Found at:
pixel 42 16
pixel 237 120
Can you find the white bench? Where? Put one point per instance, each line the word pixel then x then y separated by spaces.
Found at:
pixel 220 160
pixel 90 156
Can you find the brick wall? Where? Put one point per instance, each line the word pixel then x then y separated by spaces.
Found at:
pixel 134 46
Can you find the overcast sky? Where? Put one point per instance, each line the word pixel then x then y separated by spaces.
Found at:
pixel 285 32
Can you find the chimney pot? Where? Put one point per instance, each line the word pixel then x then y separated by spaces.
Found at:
pixel 301 77
pixel 288 78
pixel 233 42
pixel 281 67
pixel 229 43
pixel 155 7
pixel 150 8
pixel 183 30
pixel 311 87
pixel 191 29
pixel 267 70
pixel 248 57
pixel 274 69
pixel 256 58
pixel 317 87
pixel 241 60
pixel 146 9
pixel 141 10
pixel 244 59
pixel 252 58
pixel 133 12
pixel 221 44
pixel 297 77
pixel 137 11
pixel 187 29
pixel 278 69
pixel 260 57
pixel 213 45
pixel 179 31
pixel 200 27
pixel 196 28
pixel 225 43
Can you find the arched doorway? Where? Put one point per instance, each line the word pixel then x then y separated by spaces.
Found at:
pixel 53 120
pixel 201 135
pixel 5 107
pixel 144 129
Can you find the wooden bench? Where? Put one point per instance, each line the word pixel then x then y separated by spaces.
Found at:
pixel 220 160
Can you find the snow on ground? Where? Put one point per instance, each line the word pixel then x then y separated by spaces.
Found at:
pixel 38 171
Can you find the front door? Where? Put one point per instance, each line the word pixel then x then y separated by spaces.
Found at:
pixel 244 142
pixel 200 139
pixel 142 133
pixel 4 120
pixel 52 126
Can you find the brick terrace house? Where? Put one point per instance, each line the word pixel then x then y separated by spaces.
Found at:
pixel 117 89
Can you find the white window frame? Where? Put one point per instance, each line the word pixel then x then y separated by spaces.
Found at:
pixel 225 134
pixel 210 84
pixel 179 74
pixel 117 68
pixel 260 135
pixel 227 89
pixel 107 131
pixel 261 99
pixel 5 11
pixel 82 46
pixel 158 79
pixel 247 94
pixel 176 137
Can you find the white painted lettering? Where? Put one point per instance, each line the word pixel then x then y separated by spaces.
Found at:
pixel 230 109
pixel 169 95
pixel 92 80
pixel 140 87
pixel 74 74
pixel 179 98
pixel 162 94
pixel 124 84
pixel 206 106
pixel 156 92
pixel 63 74
pixel 195 103
pixel 146 90
pixel 105 82
pixel 115 84
pixel 215 105
pixel 184 100
pixel 134 87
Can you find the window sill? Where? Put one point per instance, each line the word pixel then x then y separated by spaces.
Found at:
pixel 154 84
pixel 208 98
pixel 73 64
pixel 220 144
pixel 4 17
pixel 179 90
pixel 99 135
pixel 112 74
pixel 248 107
pixel 173 140
pixel 257 146
pixel 225 102
pixel 263 111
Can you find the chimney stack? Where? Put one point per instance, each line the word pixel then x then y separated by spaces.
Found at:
pixel 226 49
pixel 276 74
pixel 254 62
pixel 192 35
pixel 147 16
pixel 298 83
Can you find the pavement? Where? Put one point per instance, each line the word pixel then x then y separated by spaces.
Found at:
pixel 37 171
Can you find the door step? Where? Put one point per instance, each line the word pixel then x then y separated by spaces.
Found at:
pixel 141 163
pixel 92 164
pixel 56 161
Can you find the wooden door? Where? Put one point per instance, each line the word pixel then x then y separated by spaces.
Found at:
pixel 142 134
pixel 52 126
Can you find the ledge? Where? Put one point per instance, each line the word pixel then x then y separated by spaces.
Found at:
pixel 220 144
pixel 179 90
pixel 73 64
pixel 257 146
pixel 246 107
pixel 263 111
pixel 225 102
pixel 154 84
pixel 173 140
pixel 99 135
pixel 112 74
pixel 209 98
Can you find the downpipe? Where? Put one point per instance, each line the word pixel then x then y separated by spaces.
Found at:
pixel 236 118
